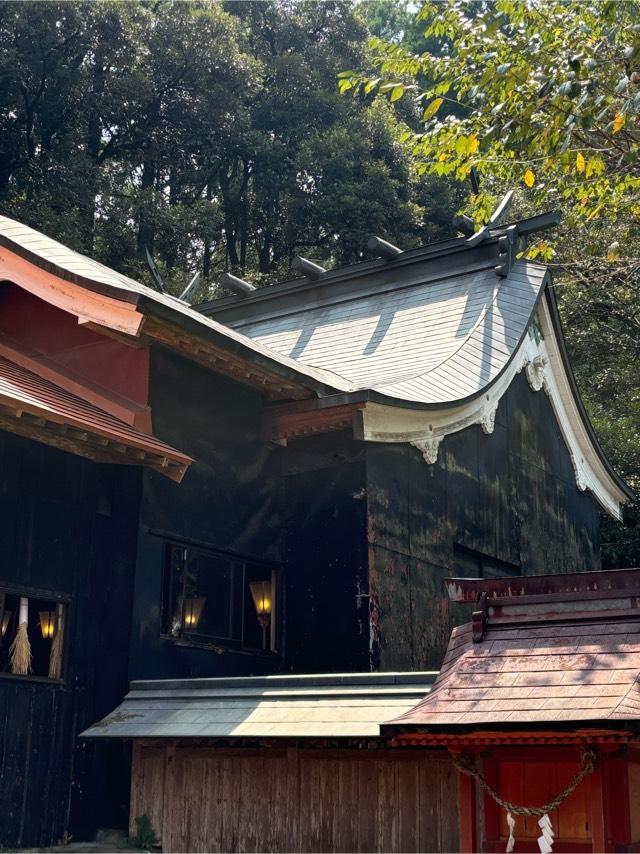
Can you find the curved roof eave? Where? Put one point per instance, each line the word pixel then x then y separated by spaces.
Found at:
pixel 562 347
pixel 390 400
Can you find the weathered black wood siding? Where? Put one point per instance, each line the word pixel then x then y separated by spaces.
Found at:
pixel 302 506
pixel 229 499
pixel 68 527
pixel 511 495
pixel 327 624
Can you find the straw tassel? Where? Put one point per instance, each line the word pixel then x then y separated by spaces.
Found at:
pixel 55 656
pixel 20 650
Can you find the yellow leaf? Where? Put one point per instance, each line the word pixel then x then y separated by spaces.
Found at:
pixel 432 109
pixel 529 178
pixel 580 162
pixel 613 251
pixel 594 213
pixel 618 122
pixel 473 144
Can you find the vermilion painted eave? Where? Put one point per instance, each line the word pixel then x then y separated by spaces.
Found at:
pixel 502 735
pixel 45 400
pixel 124 310
pixel 87 306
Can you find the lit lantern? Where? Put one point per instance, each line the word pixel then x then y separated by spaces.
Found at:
pixel 261 594
pixel 48 624
pixel 6 617
pixel 192 611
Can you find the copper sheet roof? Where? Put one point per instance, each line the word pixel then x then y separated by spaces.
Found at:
pixel 36 404
pixel 562 657
pixel 417 337
pixel 337 705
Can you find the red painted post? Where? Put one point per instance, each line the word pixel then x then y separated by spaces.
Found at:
pixel 598 835
pixel 616 802
pixel 467 815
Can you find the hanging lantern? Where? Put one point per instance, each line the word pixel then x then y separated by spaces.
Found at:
pixel 6 618
pixel 192 611
pixel 261 595
pixel 48 624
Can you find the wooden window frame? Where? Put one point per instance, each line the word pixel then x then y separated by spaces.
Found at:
pixel 203 641
pixel 7 589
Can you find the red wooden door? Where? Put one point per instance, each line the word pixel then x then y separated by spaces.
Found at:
pixel 533 777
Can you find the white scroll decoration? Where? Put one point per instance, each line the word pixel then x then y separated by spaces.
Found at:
pixel 428 447
pixel 581 481
pixel 488 420
pixel 534 370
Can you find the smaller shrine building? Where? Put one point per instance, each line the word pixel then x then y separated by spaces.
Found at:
pixel 538 704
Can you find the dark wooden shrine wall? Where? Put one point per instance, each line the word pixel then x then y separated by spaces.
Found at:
pixel 325 557
pixel 301 506
pixel 511 495
pixel 318 505
pixel 202 798
pixel 229 499
pixel 68 527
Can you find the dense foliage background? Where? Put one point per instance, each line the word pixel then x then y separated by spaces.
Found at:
pixel 213 133
pixel 544 96
pixel 221 136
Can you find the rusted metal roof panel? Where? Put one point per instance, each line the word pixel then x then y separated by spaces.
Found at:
pixel 569 655
pixel 424 341
pixel 332 706
pixel 22 391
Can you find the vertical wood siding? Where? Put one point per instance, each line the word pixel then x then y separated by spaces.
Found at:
pixel 68 527
pixel 511 495
pixel 211 799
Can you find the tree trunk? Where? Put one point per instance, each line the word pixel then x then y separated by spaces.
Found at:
pixel 146 225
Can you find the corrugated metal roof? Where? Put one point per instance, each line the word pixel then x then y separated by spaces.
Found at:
pixel 317 706
pixel 23 390
pixel 424 341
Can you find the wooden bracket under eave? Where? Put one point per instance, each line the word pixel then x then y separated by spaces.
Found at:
pixel 92 446
pixel 296 420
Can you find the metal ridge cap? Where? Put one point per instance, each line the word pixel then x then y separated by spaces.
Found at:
pixel 332 299
pixel 334 680
pixel 352 271
pixel 451 245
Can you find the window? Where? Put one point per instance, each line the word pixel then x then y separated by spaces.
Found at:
pixel 471 564
pixel 215 597
pixel 32 631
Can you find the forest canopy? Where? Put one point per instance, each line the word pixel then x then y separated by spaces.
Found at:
pixel 211 133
